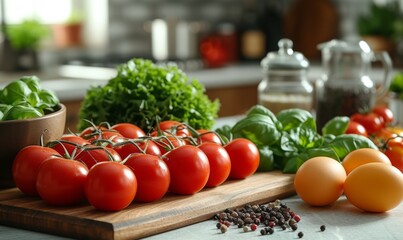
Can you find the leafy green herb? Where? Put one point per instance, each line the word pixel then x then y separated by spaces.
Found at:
pixel 143 92
pixel 396 85
pixel 287 140
pixel 24 98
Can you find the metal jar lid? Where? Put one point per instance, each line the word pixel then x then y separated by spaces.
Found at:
pixel 285 59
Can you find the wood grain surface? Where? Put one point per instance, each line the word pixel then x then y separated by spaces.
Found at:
pixel 140 219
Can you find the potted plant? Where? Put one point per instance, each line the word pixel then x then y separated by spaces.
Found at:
pixel 68 34
pixel 381 27
pixel 20 45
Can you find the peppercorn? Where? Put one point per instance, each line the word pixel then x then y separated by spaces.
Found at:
pixel 300 234
pixel 297 218
pixel 284 227
pixel 227 223
pixel 263 231
pixel 253 227
pixel 270 230
pixel 218 225
pixel 223 228
pixel 323 228
pixel 246 229
pixel 294 227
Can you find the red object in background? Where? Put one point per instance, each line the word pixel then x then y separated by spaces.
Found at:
pixel 220 48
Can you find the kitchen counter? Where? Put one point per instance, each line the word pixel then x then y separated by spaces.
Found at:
pixel 342 221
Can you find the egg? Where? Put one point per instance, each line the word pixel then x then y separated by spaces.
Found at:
pixel 319 181
pixel 362 156
pixel 374 187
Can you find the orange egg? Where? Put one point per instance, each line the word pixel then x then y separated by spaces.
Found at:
pixel 363 156
pixel 374 187
pixel 319 181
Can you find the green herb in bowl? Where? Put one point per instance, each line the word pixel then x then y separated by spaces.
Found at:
pixel 24 99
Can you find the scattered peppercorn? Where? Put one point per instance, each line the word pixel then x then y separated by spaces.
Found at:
pixel 218 225
pixel 300 234
pixel 297 218
pixel 253 227
pixel 270 230
pixel 223 228
pixel 323 228
pixel 263 231
pixel 246 229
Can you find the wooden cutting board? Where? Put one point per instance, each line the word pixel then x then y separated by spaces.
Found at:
pixel 140 219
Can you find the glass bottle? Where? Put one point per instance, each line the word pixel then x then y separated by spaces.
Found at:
pixel 285 83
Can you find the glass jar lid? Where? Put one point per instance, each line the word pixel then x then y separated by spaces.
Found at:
pixel 344 46
pixel 285 59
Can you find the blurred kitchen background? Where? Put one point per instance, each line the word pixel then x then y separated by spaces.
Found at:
pixel 216 41
pixel 216 31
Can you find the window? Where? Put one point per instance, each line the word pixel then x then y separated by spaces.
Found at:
pixel 45 11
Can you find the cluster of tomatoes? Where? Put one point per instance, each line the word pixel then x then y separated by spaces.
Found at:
pixel 112 166
pixel 377 125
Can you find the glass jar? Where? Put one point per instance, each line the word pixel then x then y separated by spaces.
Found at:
pixel 285 83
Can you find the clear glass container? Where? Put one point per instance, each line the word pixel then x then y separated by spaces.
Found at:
pixel 345 87
pixel 285 83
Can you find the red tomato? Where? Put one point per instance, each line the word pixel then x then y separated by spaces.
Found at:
pixel 384 135
pixel 371 121
pixel 90 155
pixel 394 151
pixel 108 135
pixel 166 143
pixel 60 181
pixel 68 143
pixel 385 113
pixel 356 128
pixel 128 130
pixel 91 131
pixel 152 176
pixel 110 186
pixel 244 156
pixel 220 163
pixel 208 136
pixel 127 148
pixel 189 168
pixel 175 127
pixel 26 165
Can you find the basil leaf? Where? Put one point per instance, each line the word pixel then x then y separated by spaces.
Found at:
pixel 15 91
pixel 33 99
pixel 345 143
pixel 294 118
pixel 32 82
pixel 258 128
pixel 293 163
pixel 21 112
pixel 259 109
pixel 336 126
pixel 225 133
pixel 1 115
pixel 266 159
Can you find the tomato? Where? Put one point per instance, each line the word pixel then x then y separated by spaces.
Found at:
pixel 107 135
pixel 189 168
pixel 356 128
pixel 152 176
pixel 371 121
pixel 90 155
pixel 208 136
pixel 385 113
pixel 220 163
pixel 384 135
pixel 60 181
pixel 127 148
pixel 244 157
pixel 91 131
pixel 26 165
pixel 110 186
pixel 166 143
pixel 128 130
pixel 394 151
pixel 68 143
pixel 175 127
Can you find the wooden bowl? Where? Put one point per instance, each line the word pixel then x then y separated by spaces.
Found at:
pixel 16 134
